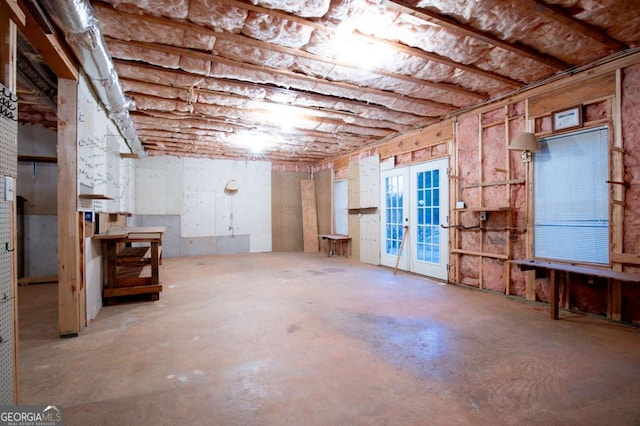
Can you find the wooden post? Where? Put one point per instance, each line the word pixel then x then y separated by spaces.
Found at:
pixel 617 199
pixel 69 256
pixel 554 294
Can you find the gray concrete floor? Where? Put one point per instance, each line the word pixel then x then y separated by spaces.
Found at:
pixel 302 339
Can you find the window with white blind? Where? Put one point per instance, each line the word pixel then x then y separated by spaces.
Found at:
pixel 571 201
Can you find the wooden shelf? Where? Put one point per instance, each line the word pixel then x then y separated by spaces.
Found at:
pixel 484 209
pixel 94 197
pixel 37 158
pixel 128 155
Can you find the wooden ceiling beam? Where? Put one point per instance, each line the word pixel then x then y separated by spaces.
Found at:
pixel 168 148
pixel 305 113
pixel 292 76
pixel 468 31
pixel 50 46
pixel 391 96
pixel 430 56
pixel 355 107
pixel 12 8
pixel 229 113
pixel 562 16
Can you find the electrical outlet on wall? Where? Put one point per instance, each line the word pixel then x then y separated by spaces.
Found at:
pixel 483 216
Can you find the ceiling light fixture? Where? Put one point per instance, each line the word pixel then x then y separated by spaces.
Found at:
pixel 256 142
pixel 356 50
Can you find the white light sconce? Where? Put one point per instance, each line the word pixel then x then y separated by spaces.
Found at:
pixel 231 187
pixel 527 143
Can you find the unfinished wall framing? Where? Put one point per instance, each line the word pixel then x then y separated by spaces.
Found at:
pixel 493 181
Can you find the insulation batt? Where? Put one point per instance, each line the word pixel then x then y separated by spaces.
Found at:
pixel 514 21
pixel 127 28
pixel 308 9
pixel 217 15
pixel 153 90
pixel 631 138
pixel 178 9
pixel 621 26
pixel 195 66
pixel 277 30
pixel 254 55
pixel 133 53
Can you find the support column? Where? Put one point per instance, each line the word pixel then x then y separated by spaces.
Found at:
pixel 69 238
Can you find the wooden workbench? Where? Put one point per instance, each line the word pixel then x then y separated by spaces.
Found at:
pixel 339 241
pixel 612 277
pixel 132 270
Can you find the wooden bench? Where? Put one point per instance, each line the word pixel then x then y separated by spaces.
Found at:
pixel 132 270
pixel 614 278
pixel 340 241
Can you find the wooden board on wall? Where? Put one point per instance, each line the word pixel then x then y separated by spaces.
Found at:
pixel 595 88
pixel 416 140
pixel 354 233
pixel 323 201
pixel 286 211
pixel 354 186
pixel 309 216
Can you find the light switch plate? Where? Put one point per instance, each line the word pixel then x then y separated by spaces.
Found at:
pixel 9 188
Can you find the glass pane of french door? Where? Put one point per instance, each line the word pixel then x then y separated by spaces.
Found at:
pixel 429 208
pixel 394 195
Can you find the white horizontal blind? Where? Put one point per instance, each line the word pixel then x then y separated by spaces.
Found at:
pixel 571 203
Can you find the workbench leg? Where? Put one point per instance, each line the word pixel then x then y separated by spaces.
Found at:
pixel 155 270
pixel 614 302
pixel 555 295
pixel 112 264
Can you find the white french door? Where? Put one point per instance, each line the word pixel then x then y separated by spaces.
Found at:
pixel 416 203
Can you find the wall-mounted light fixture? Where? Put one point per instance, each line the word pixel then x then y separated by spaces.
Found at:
pixel 231 187
pixel 527 143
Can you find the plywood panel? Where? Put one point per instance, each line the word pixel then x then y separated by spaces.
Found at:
pixel 286 211
pixel 354 185
pixel 323 201
pixel 309 215
pixel 370 238
pixel 369 181
pixel 422 138
pixel 354 233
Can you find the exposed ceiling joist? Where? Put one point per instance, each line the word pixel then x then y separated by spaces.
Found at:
pixel 50 46
pixel 562 16
pixel 468 31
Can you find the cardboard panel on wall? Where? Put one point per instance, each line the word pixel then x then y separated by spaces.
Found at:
pixel 286 210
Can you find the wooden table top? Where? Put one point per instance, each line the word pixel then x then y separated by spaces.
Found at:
pixel 117 232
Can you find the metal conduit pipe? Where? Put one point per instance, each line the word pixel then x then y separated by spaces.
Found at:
pixel 82 31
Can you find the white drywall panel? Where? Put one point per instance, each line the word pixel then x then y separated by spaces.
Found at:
pixel 37 183
pixel 158 185
pixel 93 277
pixel 37 140
pixel 252 203
pixel 198 214
pixel 41 245
pixel 205 209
